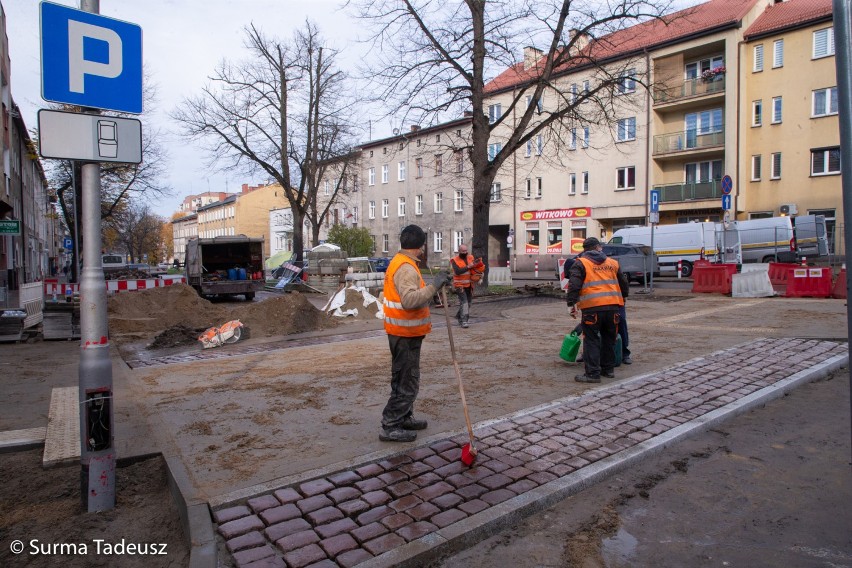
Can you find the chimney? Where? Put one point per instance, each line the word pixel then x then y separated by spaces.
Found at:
pixel 468 113
pixel 415 127
pixel 531 56
pixel 245 188
pixel 580 42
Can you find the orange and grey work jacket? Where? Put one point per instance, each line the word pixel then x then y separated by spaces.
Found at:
pixel 398 320
pixel 462 280
pixel 601 286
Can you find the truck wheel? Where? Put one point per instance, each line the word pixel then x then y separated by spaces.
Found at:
pixel 249 296
pixel 768 259
pixel 686 269
pixel 198 290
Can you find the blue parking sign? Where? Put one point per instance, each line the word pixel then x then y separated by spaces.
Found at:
pixel 67 243
pixel 90 60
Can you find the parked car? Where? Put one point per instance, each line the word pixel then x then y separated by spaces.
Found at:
pixel 636 261
pixel 380 263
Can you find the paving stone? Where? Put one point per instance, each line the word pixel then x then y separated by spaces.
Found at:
pixel 335 528
pixel 542 464
pixel 447 501
pixel 396 521
pixel 522 486
pixel 342 494
pixel 495 481
pixel 448 517
pixel 296 541
pixel 240 526
pixel 477 473
pixel 542 477
pixel 263 502
pixel 404 503
pixel 474 506
pixel 324 515
pixel 369 532
pixel 268 562
pixel 315 487
pixel 276 532
pixel 370 484
pixel 442 446
pixel 451 468
pixel 232 513
pixel 352 508
pixel 391 477
pixel 402 488
pixel 369 470
pixel 435 461
pixel 281 513
pixel 517 473
pixel 395 462
pixel 313 503
pixel 288 495
pixel 430 492
pixel 460 480
pixel 383 544
pixel 338 544
pixel 248 540
pixel 416 530
pixel 469 492
pixel 423 511
pixel 498 496
pixel 559 470
pixel 304 556
pixel 344 478
pixel 420 454
pixel 252 554
pixel 323 564
pixel 352 557
pixel 414 469
pixel 375 514
pixel 496 465
pixel 374 498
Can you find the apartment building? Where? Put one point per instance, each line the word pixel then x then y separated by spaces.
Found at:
pixel 791 152
pixel 183 229
pixel 246 213
pixel 280 230
pixel 191 203
pixel 421 177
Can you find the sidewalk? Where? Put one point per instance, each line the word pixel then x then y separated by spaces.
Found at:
pixel 410 508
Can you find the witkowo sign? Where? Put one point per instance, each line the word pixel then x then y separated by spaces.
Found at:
pixel 90 60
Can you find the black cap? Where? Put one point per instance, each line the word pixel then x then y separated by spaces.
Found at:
pixel 412 237
pixel 590 243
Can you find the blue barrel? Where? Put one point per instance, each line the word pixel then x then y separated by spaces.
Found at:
pixel 232 274
pixel 241 274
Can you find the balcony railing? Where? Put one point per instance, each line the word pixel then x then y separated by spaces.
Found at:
pixel 687 140
pixel 690 191
pixel 689 89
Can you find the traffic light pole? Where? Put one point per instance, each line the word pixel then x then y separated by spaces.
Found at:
pixel 97 448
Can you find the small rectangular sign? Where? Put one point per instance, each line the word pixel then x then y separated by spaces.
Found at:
pixel 800 273
pixel 89 137
pixel 815 272
pixel 655 200
pixel 10 227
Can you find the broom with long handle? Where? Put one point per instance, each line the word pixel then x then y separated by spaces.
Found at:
pixel 468 455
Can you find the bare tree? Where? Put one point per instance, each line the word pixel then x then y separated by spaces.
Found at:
pixel 283 113
pixel 434 58
pixel 137 231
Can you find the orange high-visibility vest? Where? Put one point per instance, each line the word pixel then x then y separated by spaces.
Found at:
pixel 398 321
pixel 601 285
pixel 461 280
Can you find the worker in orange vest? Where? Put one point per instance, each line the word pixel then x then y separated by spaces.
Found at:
pixel 597 286
pixel 406 314
pixel 467 271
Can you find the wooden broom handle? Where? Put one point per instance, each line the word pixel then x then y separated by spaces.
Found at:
pixel 456 364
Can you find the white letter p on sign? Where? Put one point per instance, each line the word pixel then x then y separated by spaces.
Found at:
pixel 78 67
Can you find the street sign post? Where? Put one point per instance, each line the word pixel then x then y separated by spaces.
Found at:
pixel 10 227
pixel 89 137
pixel 655 200
pixel 90 60
pixel 726 202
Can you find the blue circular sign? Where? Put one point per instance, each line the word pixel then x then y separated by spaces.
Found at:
pixel 727 184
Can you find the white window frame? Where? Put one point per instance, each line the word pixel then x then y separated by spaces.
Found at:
pixel 493 150
pixel 757 113
pixel 400 171
pixel 438 241
pixel 574 92
pixel 385 173
pixel 829 43
pixel 830 96
pixel 826 154
pixel 458 200
pixel 585 189
pixel 528 191
pixel 372 210
pixel 529 148
pixel 496 195
pixel 495 111
pixel 418 165
pixel 757 63
pixel 756 166
pixel 458 240
pixel 539 145
pixel 400 207
pixel 627 82
pixel 626 130
pixel 572 183
pixel 439 165
pixel 439 202
pixel 385 242
pixel 572 144
pixel 385 208
pixel 777 110
pixel 371 176
pixel 777 53
pixel 695 69
pixel 622 178
pixel 775 166
pixel 418 205
pixel 586 136
pixel 539 189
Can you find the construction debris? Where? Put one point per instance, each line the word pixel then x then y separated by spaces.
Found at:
pixel 357 302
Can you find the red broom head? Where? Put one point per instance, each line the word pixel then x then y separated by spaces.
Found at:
pixel 468 455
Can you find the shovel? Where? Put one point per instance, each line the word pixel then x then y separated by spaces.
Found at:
pixel 468 455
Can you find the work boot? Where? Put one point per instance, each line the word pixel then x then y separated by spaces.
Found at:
pixel 411 423
pixel 608 374
pixel 627 360
pixel 397 435
pixel 587 379
pixel 579 359
pixel 465 324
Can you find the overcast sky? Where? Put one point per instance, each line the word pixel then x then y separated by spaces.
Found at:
pixel 183 40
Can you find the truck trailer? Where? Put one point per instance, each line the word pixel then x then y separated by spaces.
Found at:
pixel 225 266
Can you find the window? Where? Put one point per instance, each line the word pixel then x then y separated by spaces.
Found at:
pixel 573 93
pixel 755 167
pixel 372 210
pixel 384 173
pixel 775 166
pixel 458 200
pixel 778 53
pixel 496 193
pixel 539 145
pixel 702 172
pixel 494 113
pixel 371 176
pixel 529 148
pixel 538 104
pixel 825 102
pixel 627 81
pixel 572 144
pixel 418 165
pixel 528 192
pixel 538 188
pixel 756 113
pixel 823 43
pixel 625 178
pixel 439 164
pixel 438 242
pixel 458 240
pixel 758 58
pixel 400 207
pixel 418 205
pixel 627 129
pixel 385 208
pixel 354 215
pixel 400 171
pixel 701 123
pixel 585 182
pixel 326 188
pixel 585 137
pixel 439 202
pixel 572 184
pixel 385 243
pixel 696 69
pixel 459 154
pixel 776 110
pixel 493 150
pixel 825 161
pixel 586 87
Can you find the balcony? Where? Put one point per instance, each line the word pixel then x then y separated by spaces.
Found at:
pixel 688 141
pixel 690 191
pixel 668 94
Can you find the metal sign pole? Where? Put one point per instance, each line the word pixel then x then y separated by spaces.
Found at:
pixel 97 449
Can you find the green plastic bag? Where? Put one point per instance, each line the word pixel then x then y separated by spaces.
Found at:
pixel 570 347
pixel 618 350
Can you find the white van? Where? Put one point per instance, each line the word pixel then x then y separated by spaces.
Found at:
pixel 686 242
pixel 113 262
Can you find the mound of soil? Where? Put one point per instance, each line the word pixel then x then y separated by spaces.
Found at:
pixel 176 336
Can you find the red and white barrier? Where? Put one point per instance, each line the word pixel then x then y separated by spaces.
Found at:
pixel 114 286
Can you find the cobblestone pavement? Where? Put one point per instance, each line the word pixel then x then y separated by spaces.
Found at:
pixel 423 501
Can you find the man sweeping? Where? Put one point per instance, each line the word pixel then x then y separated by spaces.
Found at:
pixel 406 310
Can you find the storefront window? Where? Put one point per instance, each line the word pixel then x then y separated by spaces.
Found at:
pixel 533 241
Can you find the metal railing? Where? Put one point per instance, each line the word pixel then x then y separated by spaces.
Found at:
pixel 690 191
pixel 689 89
pixel 688 140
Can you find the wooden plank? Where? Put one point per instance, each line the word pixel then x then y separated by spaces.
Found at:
pixel 62 440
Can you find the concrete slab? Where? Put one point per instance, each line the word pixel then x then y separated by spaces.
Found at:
pixel 62 440
pixel 15 440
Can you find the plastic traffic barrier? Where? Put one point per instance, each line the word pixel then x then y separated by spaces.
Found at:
pixel 713 278
pixel 839 289
pixel 807 282
pixel 778 272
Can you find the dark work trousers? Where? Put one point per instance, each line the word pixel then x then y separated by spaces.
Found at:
pixel 465 296
pixel 622 330
pixel 405 379
pixel 599 331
